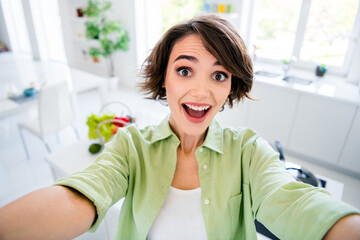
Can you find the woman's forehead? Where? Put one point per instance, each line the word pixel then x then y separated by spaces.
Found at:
pixel 189 45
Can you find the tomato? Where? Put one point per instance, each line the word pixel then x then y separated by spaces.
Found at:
pixel 125 119
pixel 115 129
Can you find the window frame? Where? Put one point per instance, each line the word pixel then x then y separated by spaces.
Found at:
pixel 148 30
pixel 341 71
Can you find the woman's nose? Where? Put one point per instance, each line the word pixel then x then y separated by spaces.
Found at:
pixel 200 89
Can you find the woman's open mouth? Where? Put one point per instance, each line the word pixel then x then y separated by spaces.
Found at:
pixel 196 113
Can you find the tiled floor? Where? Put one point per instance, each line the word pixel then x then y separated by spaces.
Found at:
pixel 19 176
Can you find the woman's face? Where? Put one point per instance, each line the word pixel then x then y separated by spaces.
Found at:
pixel 196 85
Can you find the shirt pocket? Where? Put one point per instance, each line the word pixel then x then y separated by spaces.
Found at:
pixel 234 208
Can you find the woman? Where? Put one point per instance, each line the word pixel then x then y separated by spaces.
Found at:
pixel 188 177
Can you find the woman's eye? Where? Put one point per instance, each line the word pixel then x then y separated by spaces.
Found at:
pixel 220 76
pixel 184 72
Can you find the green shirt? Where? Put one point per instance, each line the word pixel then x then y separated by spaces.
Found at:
pixel 241 178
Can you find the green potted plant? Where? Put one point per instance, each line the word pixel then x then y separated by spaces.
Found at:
pixel 95 53
pixel 110 34
pixel 320 70
pixel 95 8
pixel 92 30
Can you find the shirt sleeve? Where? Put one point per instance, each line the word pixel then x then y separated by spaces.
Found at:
pixel 289 209
pixel 106 180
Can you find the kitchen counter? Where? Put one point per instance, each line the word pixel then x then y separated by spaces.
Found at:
pixel 328 86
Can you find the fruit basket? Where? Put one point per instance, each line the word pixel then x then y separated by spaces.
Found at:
pixel 104 125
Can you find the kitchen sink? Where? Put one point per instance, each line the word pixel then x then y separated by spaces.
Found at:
pixel 267 74
pixel 293 79
pixel 278 76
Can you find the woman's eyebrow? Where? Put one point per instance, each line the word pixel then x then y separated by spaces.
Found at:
pixel 187 57
pixel 194 59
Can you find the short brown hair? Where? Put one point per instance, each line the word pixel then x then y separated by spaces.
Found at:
pixel 220 38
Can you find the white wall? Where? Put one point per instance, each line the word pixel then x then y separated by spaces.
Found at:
pixel 73 28
pixel 4 36
pixel 125 62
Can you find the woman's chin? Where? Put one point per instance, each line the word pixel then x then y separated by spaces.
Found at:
pixel 186 127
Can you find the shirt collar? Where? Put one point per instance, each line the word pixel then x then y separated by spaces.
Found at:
pixel 214 138
pixel 162 131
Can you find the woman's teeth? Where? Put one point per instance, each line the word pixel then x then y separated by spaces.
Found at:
pixel 197 108
pixel 196 111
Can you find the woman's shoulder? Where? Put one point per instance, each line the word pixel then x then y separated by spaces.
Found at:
pixel 147 133
pixel 133 130
pixel 245 135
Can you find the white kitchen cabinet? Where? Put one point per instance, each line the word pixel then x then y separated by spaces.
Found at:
pixel 321 126
pixel 350 157
pixel 234 117
pixel 272 115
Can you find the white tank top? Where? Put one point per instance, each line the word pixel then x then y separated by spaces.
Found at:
pixel 180 217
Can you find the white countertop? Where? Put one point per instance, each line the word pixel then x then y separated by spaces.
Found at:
pixel 332 87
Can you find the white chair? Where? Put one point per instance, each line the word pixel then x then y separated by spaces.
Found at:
pixel 56 112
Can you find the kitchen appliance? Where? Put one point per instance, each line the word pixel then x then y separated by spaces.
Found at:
pixel 301 174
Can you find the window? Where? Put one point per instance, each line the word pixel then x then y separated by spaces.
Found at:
pixel 16 26
pixel 44 33
pixel 153 18
pixel 276 28
pixel 174 11
pixel 328 31
pixel 314 31
pixel 49 21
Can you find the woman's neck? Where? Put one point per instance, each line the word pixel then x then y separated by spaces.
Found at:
pixel 189 143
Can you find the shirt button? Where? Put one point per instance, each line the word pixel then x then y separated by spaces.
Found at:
pixel 206 201
pixel 204 166
pixel 201 149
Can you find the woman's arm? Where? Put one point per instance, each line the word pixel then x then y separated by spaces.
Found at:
pixel 289 209
pixel 54 212
pixel 346 228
